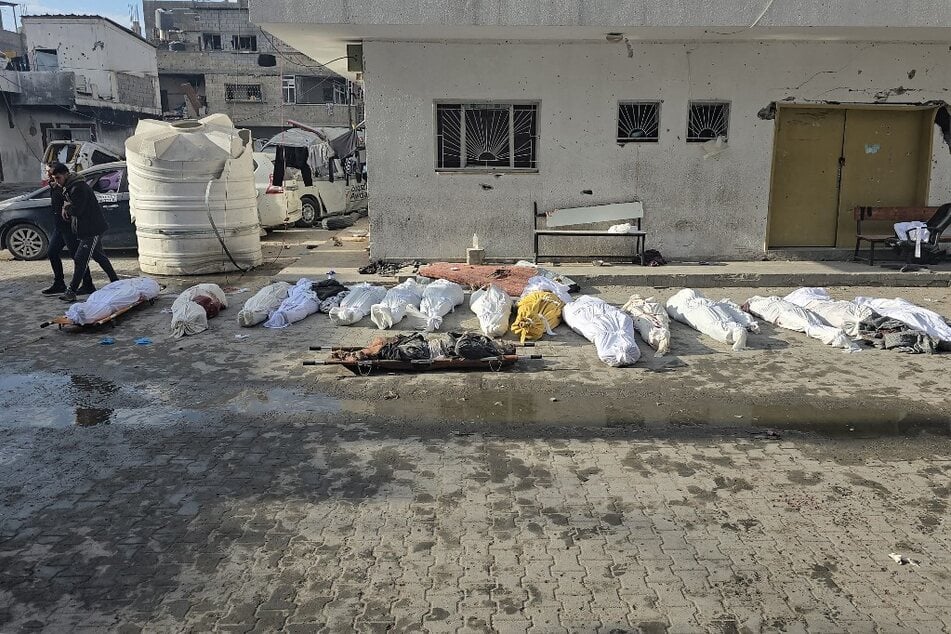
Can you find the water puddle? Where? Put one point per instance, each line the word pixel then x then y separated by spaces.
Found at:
pixel 830 418
pixel 51 400
pixel 59 417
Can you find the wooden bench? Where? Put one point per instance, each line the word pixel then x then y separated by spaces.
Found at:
pixel 889 214
pixel 632 212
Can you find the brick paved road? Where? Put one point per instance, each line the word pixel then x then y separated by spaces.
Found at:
pixel 259 524
pixel 234 492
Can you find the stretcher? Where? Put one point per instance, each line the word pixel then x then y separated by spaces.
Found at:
pixel 368 366
pixel 62 321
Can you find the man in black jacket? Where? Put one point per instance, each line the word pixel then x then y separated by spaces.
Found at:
pixel 83 211
pixel 63 236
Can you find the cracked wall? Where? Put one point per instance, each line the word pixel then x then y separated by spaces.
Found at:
pixel 696 208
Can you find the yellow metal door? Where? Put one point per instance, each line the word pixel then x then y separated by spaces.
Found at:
pixel 804 199
pixel 887 164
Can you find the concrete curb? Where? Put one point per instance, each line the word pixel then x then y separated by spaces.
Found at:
pixel 752 280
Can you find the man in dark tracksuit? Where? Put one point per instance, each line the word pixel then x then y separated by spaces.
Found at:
pixel 83 210
pixel 63 236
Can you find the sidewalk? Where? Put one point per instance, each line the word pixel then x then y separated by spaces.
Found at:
pixel 347 258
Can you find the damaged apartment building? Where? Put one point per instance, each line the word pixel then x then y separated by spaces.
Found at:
pixel 744 128
pixel 212 59
pixel 71 78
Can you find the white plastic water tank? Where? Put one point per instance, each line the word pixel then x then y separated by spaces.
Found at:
pixel 191 187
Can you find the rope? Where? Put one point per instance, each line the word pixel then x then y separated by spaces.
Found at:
pixel 539 313
pixel 215 227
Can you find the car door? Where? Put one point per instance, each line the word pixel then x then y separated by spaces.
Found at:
pixel 112 191
pixel 333 195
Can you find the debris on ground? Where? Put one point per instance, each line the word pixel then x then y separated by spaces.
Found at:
pixel 388 268
pixel 336 223
pixel 143 341
pixel 903 560
pixel 106 341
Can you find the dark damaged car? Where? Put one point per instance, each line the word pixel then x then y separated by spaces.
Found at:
pixel 26 222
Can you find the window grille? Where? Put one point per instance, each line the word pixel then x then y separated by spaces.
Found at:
pixel 638 121
pixel 486 136
pixel 707 121
pixel 243 92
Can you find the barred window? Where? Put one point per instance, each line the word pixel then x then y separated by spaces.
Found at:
pixel 243 92
pixel 638 122
pixel 244 42
pixel 486 136
pixel 211 41
pixel 707 121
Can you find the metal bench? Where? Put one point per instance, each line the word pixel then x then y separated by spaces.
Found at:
pixel 632 212
pixel 889 214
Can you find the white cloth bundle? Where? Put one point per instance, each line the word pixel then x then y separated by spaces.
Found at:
pixel 111 298
pixel 392 309
pixel 493 307
pixel 542 283
pixel 300 302
pixel 915 316
pixel 189 318
pixel 915 230
pixel 790 316
pixel 356 305
pixel 439 299
pixel 723 321
pixel 624 227
pixel 651 321
pixel 838 313
pixel 564 280
pixel 263 304
pixel 608 328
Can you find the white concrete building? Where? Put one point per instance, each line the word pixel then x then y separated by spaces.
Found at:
pixel 823 106
pixel 85 78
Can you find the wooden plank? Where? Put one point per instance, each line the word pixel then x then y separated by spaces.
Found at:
pixel 595 213
pixel 895 213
